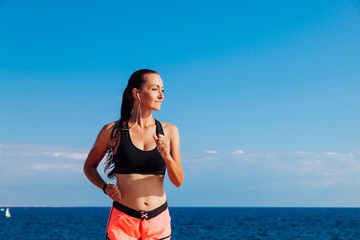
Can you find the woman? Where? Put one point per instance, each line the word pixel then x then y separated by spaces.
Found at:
pixel 139 148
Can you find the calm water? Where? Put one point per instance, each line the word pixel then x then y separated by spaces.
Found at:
pixel 190 223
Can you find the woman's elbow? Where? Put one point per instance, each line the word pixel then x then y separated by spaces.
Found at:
pixel 88 168
pixel 179 181
pixel 85 169
pixel 178 184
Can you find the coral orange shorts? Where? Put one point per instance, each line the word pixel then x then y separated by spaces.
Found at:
pixel 129 224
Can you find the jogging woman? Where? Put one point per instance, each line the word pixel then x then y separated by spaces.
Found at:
pixel 139 149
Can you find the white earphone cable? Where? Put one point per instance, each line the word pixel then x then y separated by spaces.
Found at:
pixel 137 113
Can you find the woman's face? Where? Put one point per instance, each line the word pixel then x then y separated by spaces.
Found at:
pixel 152 92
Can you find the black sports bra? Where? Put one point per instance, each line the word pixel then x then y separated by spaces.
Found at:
pixel 130 159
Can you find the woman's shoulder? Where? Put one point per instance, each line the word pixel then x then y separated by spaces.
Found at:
pixel 167 125
pixel 109 127
pixel 169 128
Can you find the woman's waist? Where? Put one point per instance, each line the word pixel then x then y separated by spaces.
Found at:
pixel 141 192
pixel 144 203
pixel 141 214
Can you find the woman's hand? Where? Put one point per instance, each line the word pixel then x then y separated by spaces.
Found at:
pixel 113 192
pixel 163 145
pixel 169 147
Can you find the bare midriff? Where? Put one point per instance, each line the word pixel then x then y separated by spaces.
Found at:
pixel 141 191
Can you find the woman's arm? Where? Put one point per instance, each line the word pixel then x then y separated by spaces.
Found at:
pixel 102 144
pixel 169 148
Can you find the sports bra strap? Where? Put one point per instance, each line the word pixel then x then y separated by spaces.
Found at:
pixel 159 129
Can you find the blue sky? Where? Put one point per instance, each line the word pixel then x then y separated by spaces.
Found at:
pixel 265 96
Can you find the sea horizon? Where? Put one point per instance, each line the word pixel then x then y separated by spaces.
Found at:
pixel 193 223
pixel 68 206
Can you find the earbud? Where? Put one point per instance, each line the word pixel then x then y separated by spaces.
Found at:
pixel 137 94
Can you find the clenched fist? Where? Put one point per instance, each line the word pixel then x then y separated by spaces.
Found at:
pixel 163 145
pixel 113 192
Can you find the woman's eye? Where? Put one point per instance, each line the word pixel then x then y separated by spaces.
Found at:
pixel 154 89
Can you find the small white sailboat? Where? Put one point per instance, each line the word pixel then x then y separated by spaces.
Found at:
pixel 7 213
pixel 2 209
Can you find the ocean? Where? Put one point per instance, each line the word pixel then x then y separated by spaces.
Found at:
pixel 36 223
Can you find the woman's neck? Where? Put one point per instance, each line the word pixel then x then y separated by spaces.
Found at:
pixel 142 119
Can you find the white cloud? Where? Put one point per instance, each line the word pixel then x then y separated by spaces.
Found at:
pixel 58 167
pixel 79 156
pixel 238 152
pixel 315 183
pixel 313 169
pixel 331 153
pixel 31 150
pixel 210 151
pixel 199 162
pixel 28 159
pixel 302 168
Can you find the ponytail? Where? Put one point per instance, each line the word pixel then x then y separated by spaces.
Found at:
pixel 126 106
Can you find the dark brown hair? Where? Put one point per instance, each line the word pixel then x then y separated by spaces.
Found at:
pixel 136 80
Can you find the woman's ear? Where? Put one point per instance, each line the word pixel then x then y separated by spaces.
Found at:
pixel 135 93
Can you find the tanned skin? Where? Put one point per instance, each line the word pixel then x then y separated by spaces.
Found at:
pixel 140 191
